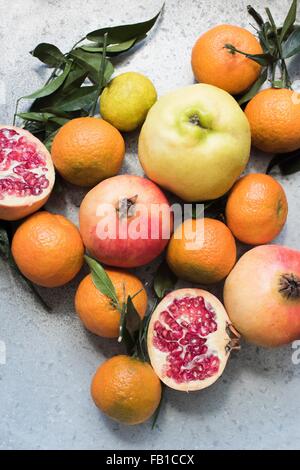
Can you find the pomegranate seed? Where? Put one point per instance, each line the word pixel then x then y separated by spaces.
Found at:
pixel 183 340
pixel 16 148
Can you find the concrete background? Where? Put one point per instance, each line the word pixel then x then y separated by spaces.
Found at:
pixel 44 385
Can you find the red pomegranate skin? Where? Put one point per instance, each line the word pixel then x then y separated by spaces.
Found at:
pixel 123 251
pixel 262 295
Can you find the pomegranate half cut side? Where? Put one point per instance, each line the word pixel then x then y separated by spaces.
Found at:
pixel 190 339
pixel 26 173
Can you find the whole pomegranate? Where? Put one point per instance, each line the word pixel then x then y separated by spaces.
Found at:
pixel 262 295
pixel 26 173
pixel 125 221
pixel 189 339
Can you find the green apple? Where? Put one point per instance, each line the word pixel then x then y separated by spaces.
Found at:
pixel 195 142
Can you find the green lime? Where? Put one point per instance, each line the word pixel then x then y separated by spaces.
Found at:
pixel 126 100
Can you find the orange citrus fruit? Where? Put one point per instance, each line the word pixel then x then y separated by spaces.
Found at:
pixel 126 389
pixel 274 117
pixel 256 209
pixel 87 150
pixel 212 63
pixel 202 251
pixel 48 249
pixel 96 310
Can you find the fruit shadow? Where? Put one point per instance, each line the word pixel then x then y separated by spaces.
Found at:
pixel 66 198
pixel 108 347
pixel 61 299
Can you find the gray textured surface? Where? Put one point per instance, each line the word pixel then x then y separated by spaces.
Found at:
pixel 44 386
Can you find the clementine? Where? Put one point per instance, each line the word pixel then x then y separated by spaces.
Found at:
pixel 87 150
pixel 274 117
pixel 202 251
pixel 256 209
pixel 126 389
pixel 48 249
pixel 96 310
pixel 212 63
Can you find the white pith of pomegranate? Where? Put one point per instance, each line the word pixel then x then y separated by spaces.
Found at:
pixel 188 339
pixel 26 173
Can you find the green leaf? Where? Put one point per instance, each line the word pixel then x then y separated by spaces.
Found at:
pixel 49 140
pixel 109 70
pixel 114 49
pixel 92 62
pixel 255 15
pixel 36 117
pixel 59 121
pixel 102 280
pixel 288 163
pixel 49 54
pixel 122 324
pixel 75 79
pixel 261 59
pixel 101 79
pixel 292 44
pixel 43 117
pixel 164 280
pixel 80 98
pixel 52 86
pixel 289 21
pixel 133 320
pixel 119 34
pixel 214 209
pixel 254 88
pixel 278 84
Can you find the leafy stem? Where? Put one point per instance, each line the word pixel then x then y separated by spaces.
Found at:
pixel 278 43
pixel 101 74
pixel 78 76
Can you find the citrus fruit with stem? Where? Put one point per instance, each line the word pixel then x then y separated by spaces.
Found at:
pixel 214 64
pixel 97 311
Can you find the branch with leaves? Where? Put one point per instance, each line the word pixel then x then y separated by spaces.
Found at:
pixel 279 44
pixel 78 77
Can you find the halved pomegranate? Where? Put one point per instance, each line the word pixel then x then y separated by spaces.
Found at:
pixel 26 173
pixel 189 339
